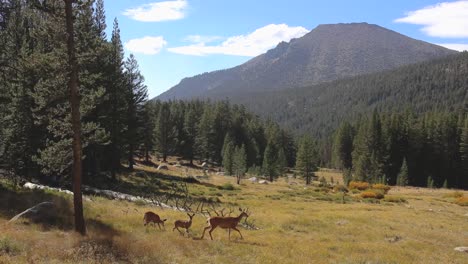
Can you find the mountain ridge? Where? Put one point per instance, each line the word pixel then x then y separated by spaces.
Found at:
pixel 328 52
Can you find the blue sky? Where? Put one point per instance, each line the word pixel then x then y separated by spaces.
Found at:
pixel 181 38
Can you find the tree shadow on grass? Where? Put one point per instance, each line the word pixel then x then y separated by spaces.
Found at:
pixel 13 202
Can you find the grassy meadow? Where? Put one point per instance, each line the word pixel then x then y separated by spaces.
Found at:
pixel 296 224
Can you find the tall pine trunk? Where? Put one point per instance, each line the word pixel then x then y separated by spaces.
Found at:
pixel 75 119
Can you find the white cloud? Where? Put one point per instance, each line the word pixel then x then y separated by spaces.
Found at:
pixel 249 45
pixel 201 39
pixel 455 46
pixel 158 11
pixel 146 45
pixel 447 19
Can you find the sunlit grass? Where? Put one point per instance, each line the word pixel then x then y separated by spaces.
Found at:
pixel 297 224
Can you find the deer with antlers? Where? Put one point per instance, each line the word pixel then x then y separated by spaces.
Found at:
pixel 151 217
pixel 183 224
pixel 225 222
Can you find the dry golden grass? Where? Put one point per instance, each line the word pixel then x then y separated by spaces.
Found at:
pixel 298 224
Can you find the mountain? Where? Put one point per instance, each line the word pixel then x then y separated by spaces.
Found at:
pixel 327 53
pixel 436 85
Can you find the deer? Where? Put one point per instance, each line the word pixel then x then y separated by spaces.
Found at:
pixel 183 224
pixel 225 222
pixel 154 218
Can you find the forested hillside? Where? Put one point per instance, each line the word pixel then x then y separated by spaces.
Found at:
pixel 328 52
pixel 439 85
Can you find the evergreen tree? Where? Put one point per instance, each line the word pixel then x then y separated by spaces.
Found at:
pixel 239 163
pixel 343 147
pixel 163 132
pixel 282 162
pixel 307 158
pixel 228 155
pixel 136 98
pixel 270 164
pixel 191 119
pixel 463 180
pixel 402 179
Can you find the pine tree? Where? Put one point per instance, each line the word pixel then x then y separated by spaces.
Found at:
pixel 282 162
pixel 228 155
pixel 191 119
pixel 136 98
pixel 239 163
pixel 463 180
pixel 116 104
pixel 307 158
pixel 270 164
pixel 343 147
pixel 402 179
pixel 163 133
pixel 75 120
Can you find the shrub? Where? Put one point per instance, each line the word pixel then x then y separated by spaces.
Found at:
pixel 359 185
pixel 463 201
pixel 9 247
pixel 394 199
pixel 375 194
pixel 383 187
pixel 340 188
pixel 227 186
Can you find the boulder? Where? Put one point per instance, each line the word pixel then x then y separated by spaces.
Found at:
pixel 253 179
pixel 204 165
pixel 461 249
pixel 263 182
pixel 220 173
pixel 162 167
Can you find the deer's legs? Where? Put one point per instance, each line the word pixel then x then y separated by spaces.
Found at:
pixel 182 233
pixel 204 231
pixel 210 232
pixel 238 231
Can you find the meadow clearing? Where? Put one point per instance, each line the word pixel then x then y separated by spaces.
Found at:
pixel 296 224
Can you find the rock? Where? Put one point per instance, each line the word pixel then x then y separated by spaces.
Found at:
pixel 42 212
pixel 393 239
pixel 177 165
pixel 204 165
pixel 253 179
pixel 461 249
pixel 162 167
pixel 220 173
pixel 263 182
pixel 342 222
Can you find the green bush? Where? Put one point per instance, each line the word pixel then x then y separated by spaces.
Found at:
pixel 227 186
